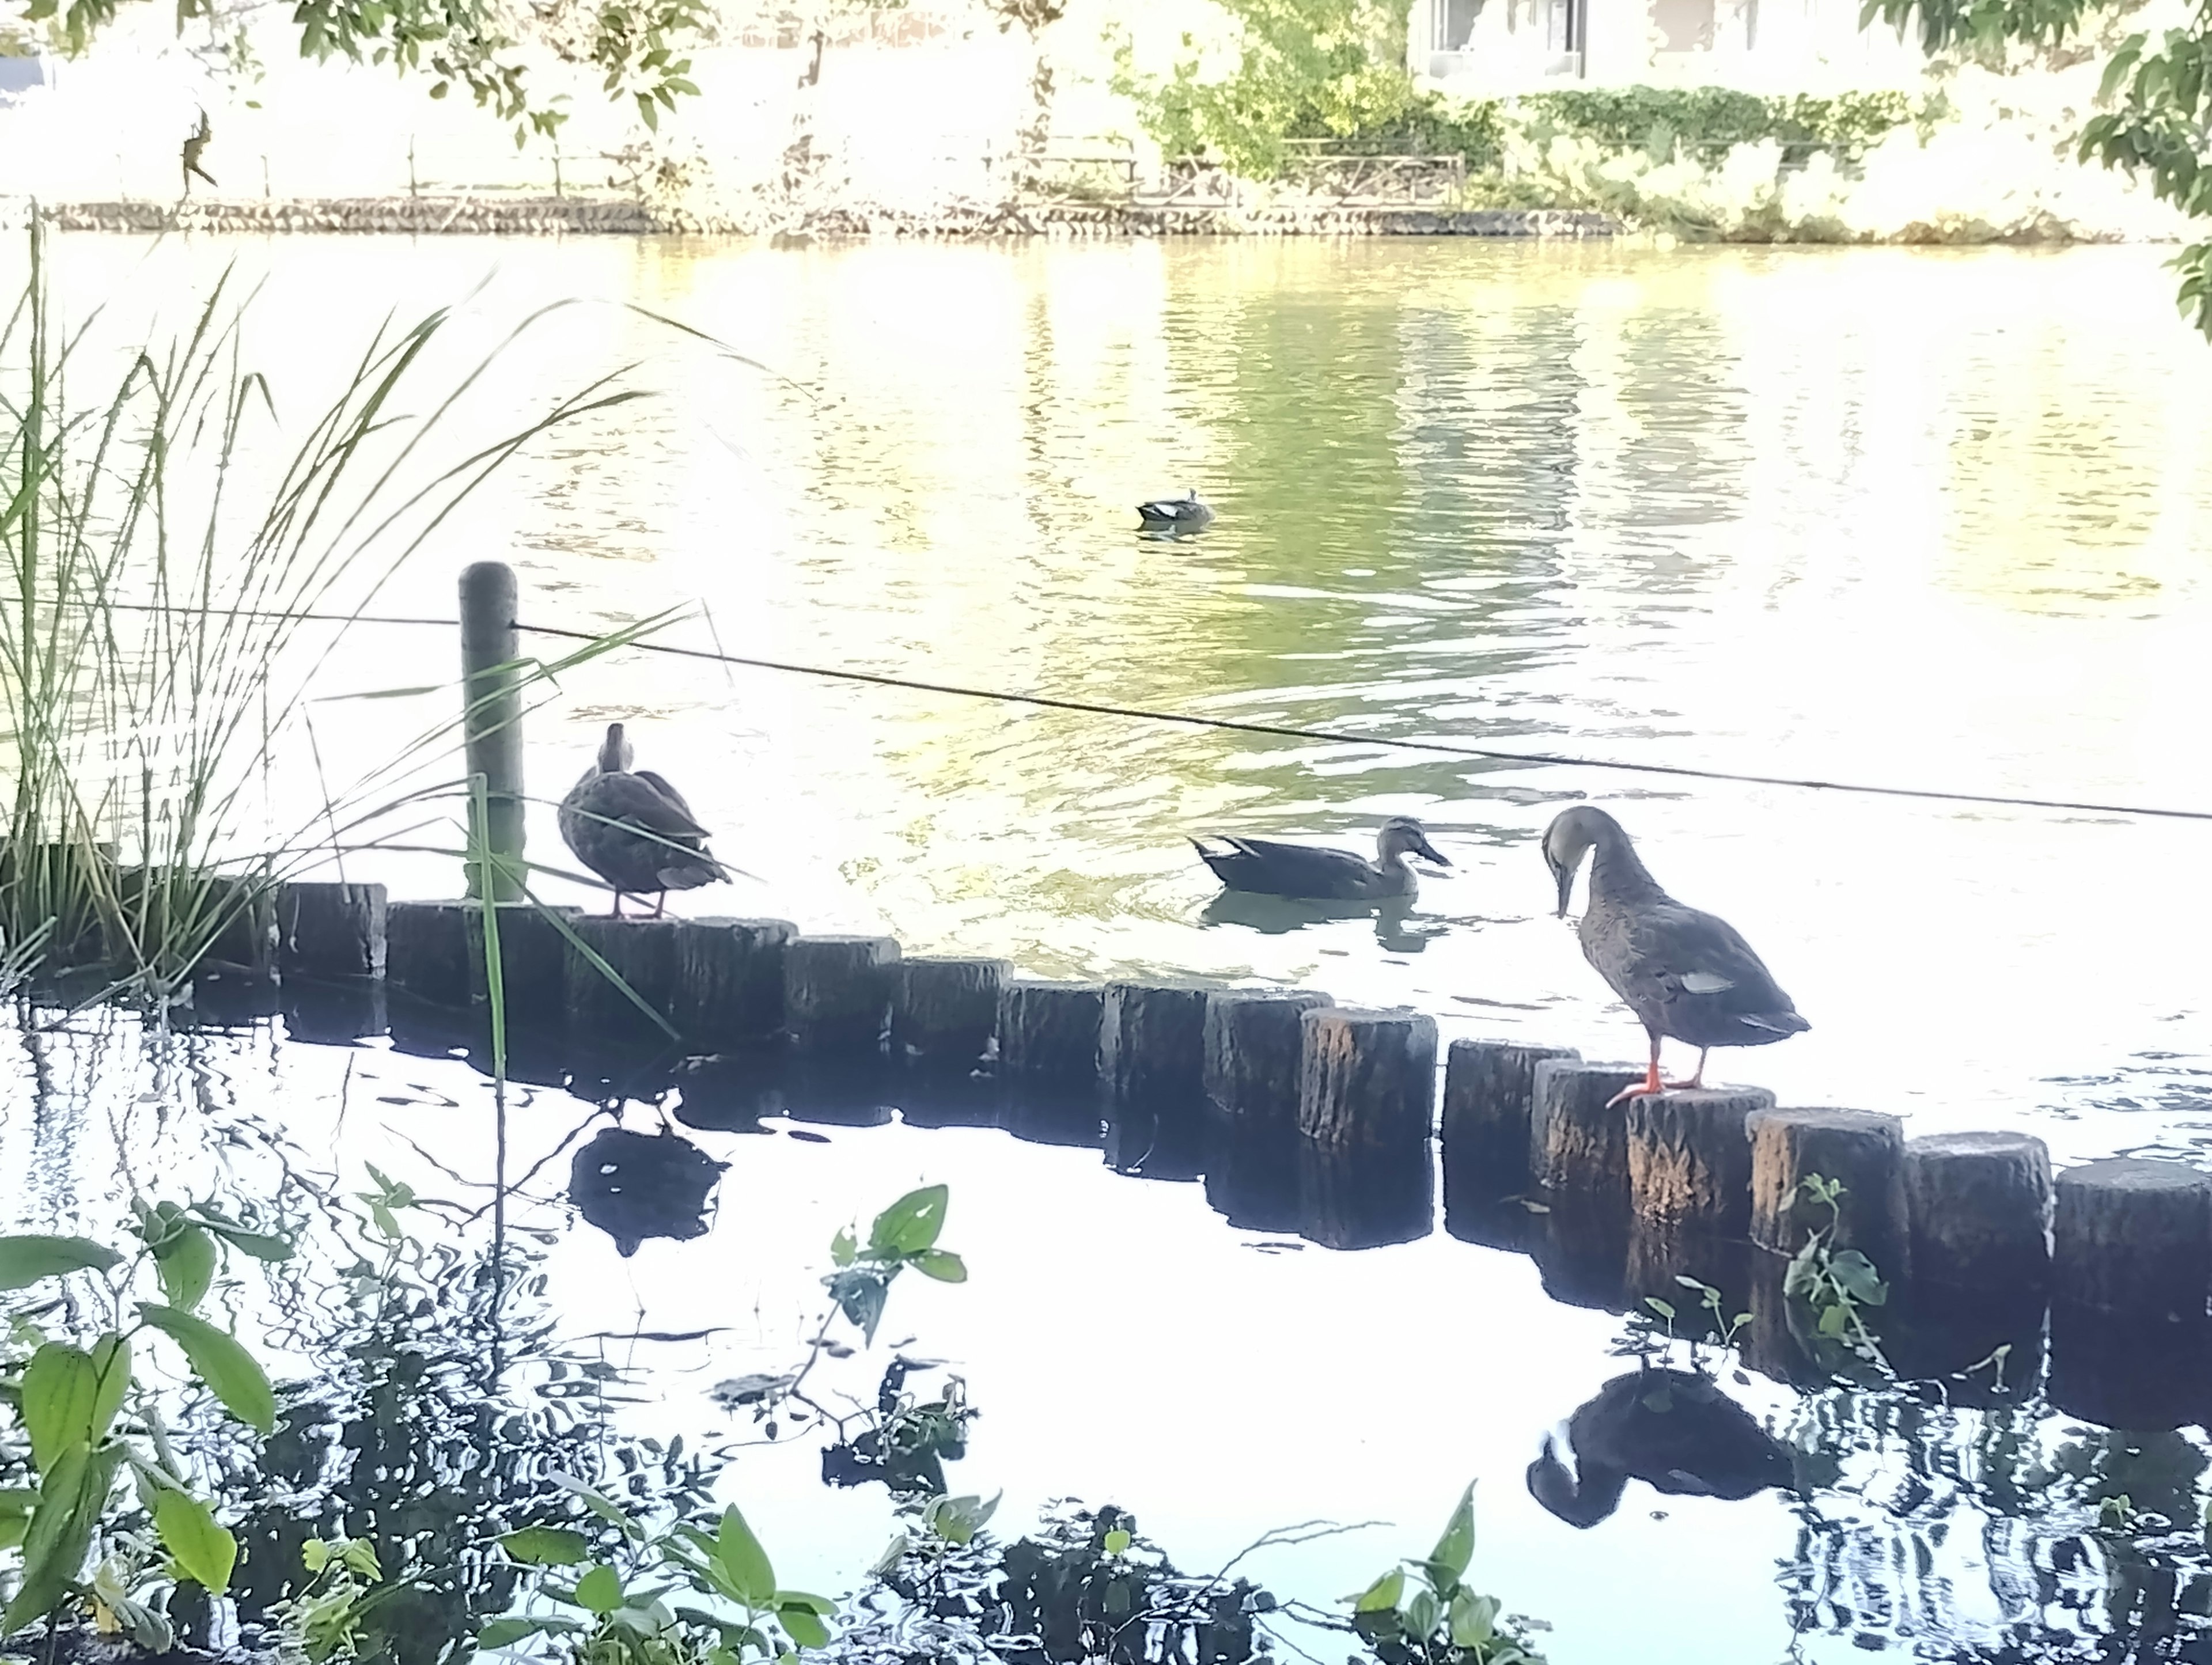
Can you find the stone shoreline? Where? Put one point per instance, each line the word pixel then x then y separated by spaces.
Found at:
pixel 520 216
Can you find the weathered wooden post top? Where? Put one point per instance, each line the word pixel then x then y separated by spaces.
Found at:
pixel 491 722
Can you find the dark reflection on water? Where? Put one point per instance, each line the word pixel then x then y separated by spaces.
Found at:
pixel 2028 1493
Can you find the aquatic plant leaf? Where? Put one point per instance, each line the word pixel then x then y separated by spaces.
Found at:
pixel 1855 1275
pixel 546 1546
pixel 600 1591
pixel 803 1626
pixel 1421 1614
pixel 895 1552
pixel 201 1547
pixel 70 1396
pixel 1834 1320
pixel 941 1264
pixel 505 1632
pixel 739 1555
pixel 1473 1619
pixel 1456 1547
pixel 1383 1595
pixel 799 1598
pixel 70 1503
pixel 25 1259
pixel 859 1293
pixel 219 1361
pixel 1118 1542
pixel 844 1247
pixel 910 1224
pixel 184 1260
pixel 259 1244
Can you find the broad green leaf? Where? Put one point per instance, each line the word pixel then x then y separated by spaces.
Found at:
pixel 546 1546
pixel 942 1265
pixel 1456 1547
pixel 505 1632
pixel 742 1560
pixel 1473 1619
pixel 24 1259
pixel 184 1260
pixel 217 1360
pixel 910 1224
pixel 803 1626
pixel 844 1248
pixel 1421 1614
pixel 1855 1275
pixel 1383 1595
pixel 70 1396
pixel 600 1591
pixel 895 1552
pixel 859 1293
pixel 259 1244
pixel 1834 1320
pixel 201 1549
pixel 800 1598
pixel 70 1503
pixel 1118 1542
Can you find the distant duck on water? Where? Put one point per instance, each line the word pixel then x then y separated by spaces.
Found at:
pixel 1315 874
pixel 1183 513
pixel 633 829
pixel 1683 973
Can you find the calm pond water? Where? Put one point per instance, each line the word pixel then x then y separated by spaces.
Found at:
pixel 1915 518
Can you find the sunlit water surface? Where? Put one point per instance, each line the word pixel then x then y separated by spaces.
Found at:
pixel 1909 518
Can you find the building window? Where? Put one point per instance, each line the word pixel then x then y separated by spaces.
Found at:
pixel 1453 23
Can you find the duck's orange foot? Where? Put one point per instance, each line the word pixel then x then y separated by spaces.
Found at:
pixel 1650 1084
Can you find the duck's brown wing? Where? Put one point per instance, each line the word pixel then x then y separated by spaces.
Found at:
pixel 659 783
pixel 1270 868
pixel 645 801
pixel 1702 981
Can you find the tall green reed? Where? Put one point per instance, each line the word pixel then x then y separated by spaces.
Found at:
pixel 152 562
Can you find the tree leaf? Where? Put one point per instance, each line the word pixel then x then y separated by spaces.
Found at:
pixel 739 1555
pixel 942 1265
pixel 859 1293
pixel 1473 1619
pixel 600 1591
pixel 505 1632
pixel 844 1247
pixel 910 1224
pixel 24 1259
pixel 70 1396
pixel 1456 1547
pixel 1382 1596
pixel 184 1260
pixel 201 1547
pixel 219 1361
pixel 803 1626
pixel 598 1502
pixel 546 1546
pixel 259 1244
pixel 70 1504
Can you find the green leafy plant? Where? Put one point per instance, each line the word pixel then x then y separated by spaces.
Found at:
pixel 1836 1285
pixel 89 1419
pixel 1723 1329
pixel 904 1235
pixel 328 1615
pixel 1432 1616
pixel 1660 118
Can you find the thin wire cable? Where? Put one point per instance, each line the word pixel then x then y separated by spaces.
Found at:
pixel 1275 731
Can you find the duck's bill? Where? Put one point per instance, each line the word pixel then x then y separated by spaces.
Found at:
pixel 1430 853
pixel 1566 878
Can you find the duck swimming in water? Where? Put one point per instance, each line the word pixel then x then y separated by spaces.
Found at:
pixel 1183 513
pixel 1683 973
pixel 1314 874
pixel 633 829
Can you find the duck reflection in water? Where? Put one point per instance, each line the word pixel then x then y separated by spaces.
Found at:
pixel 634 1186
pixel 1674 1429
pixel 1397 927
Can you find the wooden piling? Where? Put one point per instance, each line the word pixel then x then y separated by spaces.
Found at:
pixel 1977 1210
pixel 1577 1145
pixel 643 954
pixel 245 941
pixel 727 988
pixel 2137 1370
pixel 331 930
pixel 1864 1150
pixel 1252 1045
pixel 1152 1041
pixel 944 1011
pixel 2133 1236
pixel 1367 1077
pixel 1489 1088
pixel 491 722
pixel 434 950
pixel 837 992
pixel 1689 1158
pixel 1048 1031
pixel 1252 1178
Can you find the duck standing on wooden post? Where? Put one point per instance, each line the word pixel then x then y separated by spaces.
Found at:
pixel 633 829
pixel 1683 973
pixel 1305 872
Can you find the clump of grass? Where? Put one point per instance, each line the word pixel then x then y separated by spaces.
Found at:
pixel 151 660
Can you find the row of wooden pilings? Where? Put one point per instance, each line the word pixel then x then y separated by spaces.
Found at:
pixel 1616 1203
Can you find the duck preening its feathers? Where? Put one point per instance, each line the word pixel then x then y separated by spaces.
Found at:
pixel 633 829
